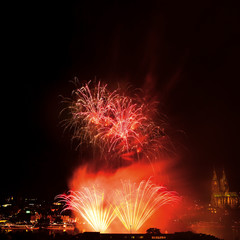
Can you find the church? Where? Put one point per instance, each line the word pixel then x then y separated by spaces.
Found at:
pixel 221 197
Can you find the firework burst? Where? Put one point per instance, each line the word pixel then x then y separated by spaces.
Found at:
pixel 89 111
pixel 91 204
pixel 134 204
pixel 117 124
pixel 122 127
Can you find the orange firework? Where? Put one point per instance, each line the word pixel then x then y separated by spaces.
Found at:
pixel 134 205
pixel 91 204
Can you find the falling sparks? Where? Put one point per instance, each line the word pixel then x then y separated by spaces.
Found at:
pixel 117 124
pixel 132 204
pixel 136 204
pixel 121 127
pixel 91 204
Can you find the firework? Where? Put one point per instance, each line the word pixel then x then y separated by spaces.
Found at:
pixel 134 205
pixel 116 123
pixel 89 111
pixel 91 204
pixel 126 120
pixel 121 127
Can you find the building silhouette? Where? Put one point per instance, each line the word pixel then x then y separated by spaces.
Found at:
pixel 221 197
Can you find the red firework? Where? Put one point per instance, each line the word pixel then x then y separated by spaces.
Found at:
pixel 116 123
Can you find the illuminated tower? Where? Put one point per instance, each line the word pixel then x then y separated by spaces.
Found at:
pixel 223 183
pixel 215 183
pixel 220 196
pixel 215 189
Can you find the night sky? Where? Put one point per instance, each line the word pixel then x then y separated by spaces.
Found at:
pixel 189 50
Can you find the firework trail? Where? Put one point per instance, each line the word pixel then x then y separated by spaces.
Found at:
pixel 91 205
pixel 117 124
pixel 134 205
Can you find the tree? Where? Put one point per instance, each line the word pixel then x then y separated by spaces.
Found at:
pixel 153 231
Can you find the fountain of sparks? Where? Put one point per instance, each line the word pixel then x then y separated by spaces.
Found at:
pixel 134 205
pixel 91 204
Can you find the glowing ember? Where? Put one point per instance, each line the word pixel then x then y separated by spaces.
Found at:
pixel 135 204
pixel 91 205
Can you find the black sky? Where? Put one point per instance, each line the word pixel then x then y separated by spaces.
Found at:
pixel 190 49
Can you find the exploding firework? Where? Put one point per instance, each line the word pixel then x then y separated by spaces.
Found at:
pixel 90 203
pixel 136 204
pixel 89 111
pixel 120 126
pixel 116 123
pixel 126 120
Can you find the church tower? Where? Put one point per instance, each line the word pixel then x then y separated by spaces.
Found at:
pixel 215 189
pixel 215 183
pixel 224 183
pixel 220 196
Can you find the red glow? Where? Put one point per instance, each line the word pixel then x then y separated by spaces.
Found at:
pixel 123 128
pixel 110 181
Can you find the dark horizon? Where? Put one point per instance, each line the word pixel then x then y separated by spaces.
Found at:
pixel 190 52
